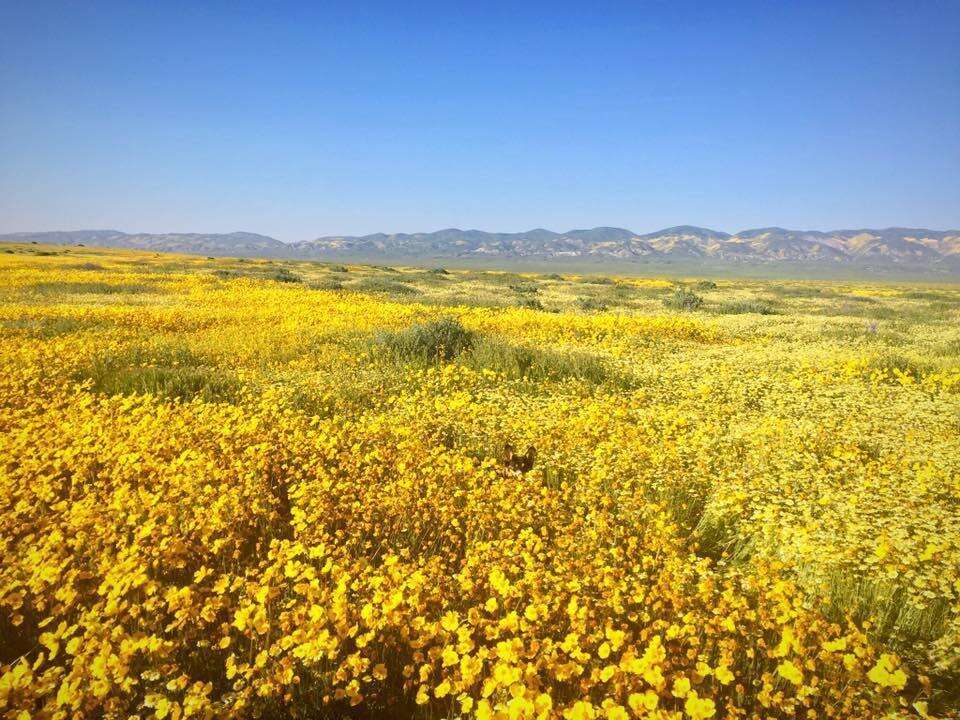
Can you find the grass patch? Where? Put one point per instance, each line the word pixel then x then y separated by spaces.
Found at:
pixel 742 307
pixel 381 285
pixel 434 341
pixel 173 373
pixel 590 304
pixel 683 299
pixel 92 288
pixel 518 362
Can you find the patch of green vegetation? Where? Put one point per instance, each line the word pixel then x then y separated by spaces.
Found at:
pixel 171 372
pixel 93 288
pixel 591 304
pixel 741 307
pixel 530 303
pixel 705 285
pixel 434 341
pixel 284 275
pixel 683 299
pixel 528 288
pixel 382 285
pixel 518 362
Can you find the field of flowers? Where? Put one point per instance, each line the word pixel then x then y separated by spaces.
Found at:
pixel 242 488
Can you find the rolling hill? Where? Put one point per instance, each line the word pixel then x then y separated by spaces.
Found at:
pixel 911 247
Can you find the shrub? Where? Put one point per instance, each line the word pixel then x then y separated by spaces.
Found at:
pixel 433 341
pixel 706 285
pixel 683 299
pixel 589 303
pixel 530 303
pixel 338 268
pixel 379 285
pixel 525 288
pixel 535 364
pixel 285 276
pixel 438 271
pixel 741 307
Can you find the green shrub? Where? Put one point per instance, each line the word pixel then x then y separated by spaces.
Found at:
pixel 530 303
pixel 706 285
pixel 438 271
pixel 518 362
pixel 683 299
pixel 433 341
pixel 285 276
pixel 338 268
pixel 741 307
pixel 380 285
pixel 525 288
pixel 589 304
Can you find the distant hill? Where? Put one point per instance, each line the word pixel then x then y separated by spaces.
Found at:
pixel 237 243
pixel 906 247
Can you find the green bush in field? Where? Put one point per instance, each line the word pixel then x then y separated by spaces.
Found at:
pixel 741 307
pixel 381 285
pixel 285 276
pixel 530 303
pixel 433 341
pixel 683 299
pixel 589 303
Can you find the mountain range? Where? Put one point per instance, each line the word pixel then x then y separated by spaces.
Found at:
pixel 913 247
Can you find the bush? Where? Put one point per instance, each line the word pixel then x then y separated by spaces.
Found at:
pixel 741 307
pixel 525 288
pixel 379 285
pixel 589 303
pixel 706 285
pixel 438 271
pixel 285 276
pixel 433 341
pixel 683 299
pixel 518 362
pixel 338 268
pixel 530 303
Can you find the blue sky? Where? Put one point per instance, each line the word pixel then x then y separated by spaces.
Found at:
pixel 305 119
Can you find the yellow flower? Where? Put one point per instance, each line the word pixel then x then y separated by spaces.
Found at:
pixel 789 671
pixel 699 708
pixel 886 673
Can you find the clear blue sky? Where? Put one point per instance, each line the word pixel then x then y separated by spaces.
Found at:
pixel 303 119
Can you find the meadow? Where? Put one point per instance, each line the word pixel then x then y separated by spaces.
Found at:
pixel 250 488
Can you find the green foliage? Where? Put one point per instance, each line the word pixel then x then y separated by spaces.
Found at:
pixel 173 372
pixel 590 304
pixel 434 341
pixel 284 275
pixel 683 299
pixel 382 285
pixel 530 303
pixel 741 307
pixel 519 362
pixel 706 285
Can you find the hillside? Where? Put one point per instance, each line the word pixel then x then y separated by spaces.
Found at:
pixel 905 247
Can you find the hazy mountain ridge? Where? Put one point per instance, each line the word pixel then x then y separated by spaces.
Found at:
pixel 920 247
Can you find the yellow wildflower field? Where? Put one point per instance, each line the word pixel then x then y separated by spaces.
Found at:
pixel 243 488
